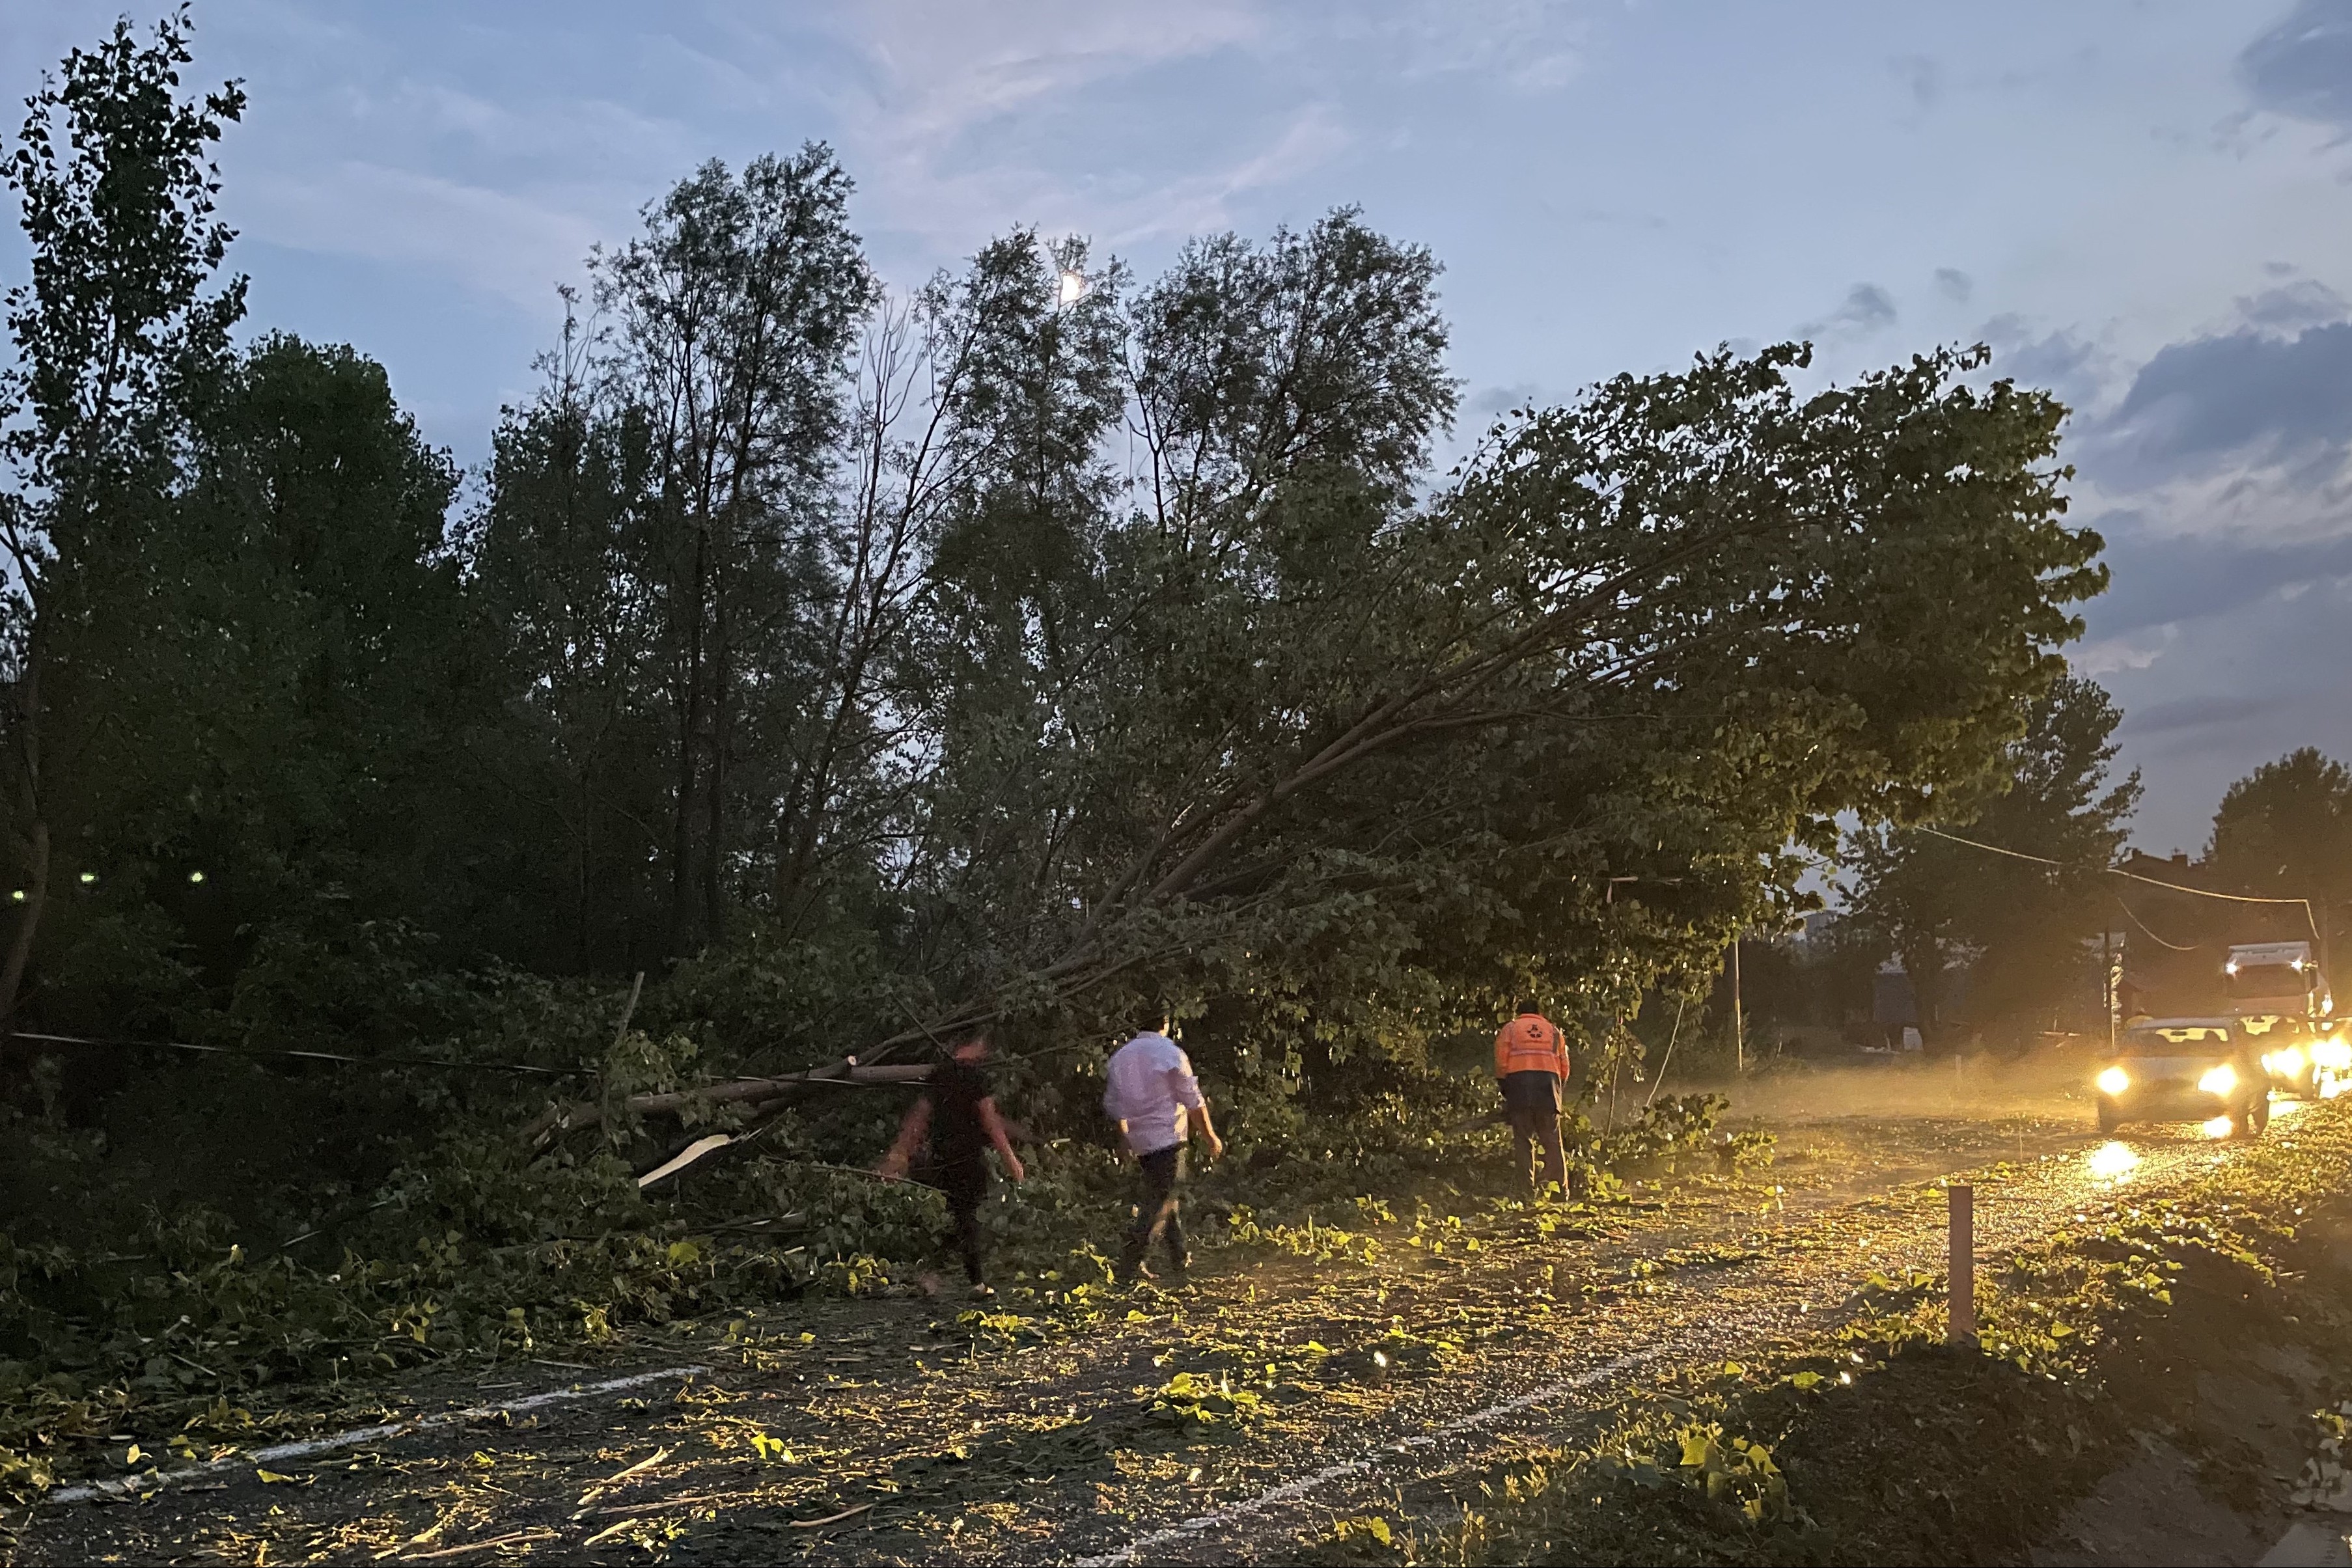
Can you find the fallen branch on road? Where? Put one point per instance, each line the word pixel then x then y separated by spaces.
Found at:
pixel 581 1114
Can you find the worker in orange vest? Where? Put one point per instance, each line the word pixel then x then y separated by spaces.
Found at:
pixel 1531 1063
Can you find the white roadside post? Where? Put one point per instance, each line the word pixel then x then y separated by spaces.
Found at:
pixel 1962 1199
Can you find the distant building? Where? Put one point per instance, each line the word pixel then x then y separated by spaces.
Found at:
pixel 1894 1003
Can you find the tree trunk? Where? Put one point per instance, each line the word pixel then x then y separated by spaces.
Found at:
pixel 37 889
pixel 580 1114
pixel 714 827
pixel 681 876
pixel 1923 966
pixel 582 957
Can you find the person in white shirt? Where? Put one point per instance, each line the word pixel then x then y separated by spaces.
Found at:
pixel 1154 1098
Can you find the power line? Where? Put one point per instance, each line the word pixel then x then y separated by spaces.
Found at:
pixel 1994 848
pixel 2201 892
pixel 341 1060
pixel 2151 936
pixel 2309 918
pixel 256 1050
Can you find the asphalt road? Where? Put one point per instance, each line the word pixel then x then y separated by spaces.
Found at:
pixel 889 1432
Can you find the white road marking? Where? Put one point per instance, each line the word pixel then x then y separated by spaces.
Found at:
pixel 1290 1491
pixel 158 1479
pixel 2020 1228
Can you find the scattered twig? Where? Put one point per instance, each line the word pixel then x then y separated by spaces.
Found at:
pixel 832 1518
pixel 655 1505
pixel 629 1008
pixel 658 1456
pixel 1666 1061
pixel 519 1535
pixel 609 1482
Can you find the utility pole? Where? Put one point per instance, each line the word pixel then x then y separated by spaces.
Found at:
pixel 2111 981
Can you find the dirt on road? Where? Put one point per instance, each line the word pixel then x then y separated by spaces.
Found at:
pixel 1311 1372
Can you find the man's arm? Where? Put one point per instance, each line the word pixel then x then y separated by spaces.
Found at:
pixel 1187 1089
pixel 911 1138
pixel 994 1124
pixel 1209 1129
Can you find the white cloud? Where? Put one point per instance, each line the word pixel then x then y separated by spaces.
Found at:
pixel 934 77
pixel 2112 655
pixel 1194 203
pixel 502 244
pixel 1865 310
pixel 1534 45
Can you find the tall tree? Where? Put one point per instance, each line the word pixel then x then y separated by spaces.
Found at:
pixel 735 312
pixel 286 708
pixel 2285 830
pixel 113 334
pixel 1321 350
pixel 2016 924
pixel 1333 745
pixel 969 547
pixel 559 555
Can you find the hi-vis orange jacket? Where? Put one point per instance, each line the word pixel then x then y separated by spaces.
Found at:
pixel 1529 1043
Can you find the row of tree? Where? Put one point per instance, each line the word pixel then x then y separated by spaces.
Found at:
pixel 1999 894
pixel 1043 644
pixel 2002 915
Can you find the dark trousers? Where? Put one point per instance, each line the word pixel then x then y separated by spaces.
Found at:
pixel 1156 1217
pixel 1531 1102
pixel 965 1182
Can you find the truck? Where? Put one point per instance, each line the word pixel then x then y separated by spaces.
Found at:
pixel 2282 1002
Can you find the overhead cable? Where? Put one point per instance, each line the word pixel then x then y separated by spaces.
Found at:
pixel 257 1050
pixel 2309 918
pixel 2151 936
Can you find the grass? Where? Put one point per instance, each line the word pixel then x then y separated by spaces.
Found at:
pixel 1878 1443
pixel 199 1337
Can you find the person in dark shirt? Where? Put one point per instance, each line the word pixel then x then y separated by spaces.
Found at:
pixel 958 1111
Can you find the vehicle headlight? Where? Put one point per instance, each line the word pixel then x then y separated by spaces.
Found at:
pixel 2284 1063
pixel 2221 1080
pixel 2114 1081
pixel 2336 1055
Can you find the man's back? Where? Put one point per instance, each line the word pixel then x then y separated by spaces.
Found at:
pixel 1149 1084
pixel 957 1091
pixel 1530 1043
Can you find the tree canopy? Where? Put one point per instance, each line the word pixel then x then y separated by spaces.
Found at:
pixel 2285 830
pixel 1041 644
pixel 2017 923
pixel 815 668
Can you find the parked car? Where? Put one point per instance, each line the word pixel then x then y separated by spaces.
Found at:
pixel 2330 1050
pixel 2185 1070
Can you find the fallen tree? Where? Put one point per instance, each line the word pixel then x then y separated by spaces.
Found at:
pixel 1645 643
pixel 759 1096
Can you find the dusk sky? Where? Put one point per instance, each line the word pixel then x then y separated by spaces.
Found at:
pixel 2145 206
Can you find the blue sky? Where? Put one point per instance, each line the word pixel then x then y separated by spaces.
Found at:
pixel 2147 206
